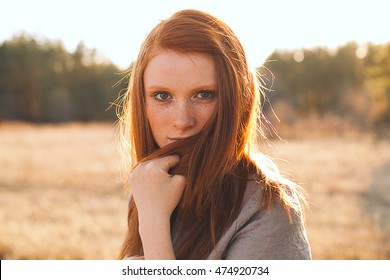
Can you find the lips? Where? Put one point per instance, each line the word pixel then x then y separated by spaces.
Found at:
pixel 173 139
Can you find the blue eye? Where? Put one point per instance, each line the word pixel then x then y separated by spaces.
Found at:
pixel 205 94
pixel 162 96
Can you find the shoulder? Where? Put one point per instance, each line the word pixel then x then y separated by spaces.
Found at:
pixel 286 201
pixel 275 188
pixel 282 211
pixel 265 234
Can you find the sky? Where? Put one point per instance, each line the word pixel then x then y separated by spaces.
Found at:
pixel 116 28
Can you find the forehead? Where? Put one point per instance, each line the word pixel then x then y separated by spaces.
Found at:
pixel 167 67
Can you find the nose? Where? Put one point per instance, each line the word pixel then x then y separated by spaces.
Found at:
pixel 184 118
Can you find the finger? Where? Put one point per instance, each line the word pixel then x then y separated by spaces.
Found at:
pixel 169 161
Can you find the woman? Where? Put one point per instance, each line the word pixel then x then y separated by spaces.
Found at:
pixel 189 125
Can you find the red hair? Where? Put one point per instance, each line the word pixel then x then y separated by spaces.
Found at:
pixel 216 161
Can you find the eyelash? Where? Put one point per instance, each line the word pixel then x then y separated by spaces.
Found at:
pixel 156 94
pixel 210 92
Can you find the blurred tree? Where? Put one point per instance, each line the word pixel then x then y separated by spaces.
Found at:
pixel 42 82
pixel 378 82
pixel 322 81
pixel 20 86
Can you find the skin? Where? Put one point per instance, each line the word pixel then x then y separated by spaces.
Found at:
pixel 180 92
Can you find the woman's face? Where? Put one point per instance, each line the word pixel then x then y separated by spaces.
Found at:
pixel 180 94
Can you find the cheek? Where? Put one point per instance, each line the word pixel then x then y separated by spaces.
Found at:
pixel 207 113
pixel 156 116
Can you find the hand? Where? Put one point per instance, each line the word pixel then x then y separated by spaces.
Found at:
pixel 156 194
pixel 155 191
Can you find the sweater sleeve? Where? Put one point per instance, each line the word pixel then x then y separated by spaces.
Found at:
pixel 270 236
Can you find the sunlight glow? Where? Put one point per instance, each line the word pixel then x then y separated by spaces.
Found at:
pixel 361 51
pixel 299 56
pixel 117 28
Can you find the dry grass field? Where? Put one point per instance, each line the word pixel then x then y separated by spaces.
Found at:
pixel 61 196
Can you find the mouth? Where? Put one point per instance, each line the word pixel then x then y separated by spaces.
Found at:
pixel 173 139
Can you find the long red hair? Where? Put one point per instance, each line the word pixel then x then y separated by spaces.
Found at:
pixel 216 162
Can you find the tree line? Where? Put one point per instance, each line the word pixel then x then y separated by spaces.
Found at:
pixel 43 82
pixel 352 81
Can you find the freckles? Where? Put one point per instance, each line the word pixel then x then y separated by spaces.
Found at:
pixel 153 117
pixel 158 115
pixel 206 112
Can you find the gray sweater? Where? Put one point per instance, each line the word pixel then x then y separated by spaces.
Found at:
pixel 257 234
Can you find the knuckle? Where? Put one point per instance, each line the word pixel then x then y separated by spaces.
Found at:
pixel 148 168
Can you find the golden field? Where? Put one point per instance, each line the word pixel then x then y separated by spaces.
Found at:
pixel 61 196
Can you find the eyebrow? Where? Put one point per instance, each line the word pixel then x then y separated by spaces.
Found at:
pixel 164 88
